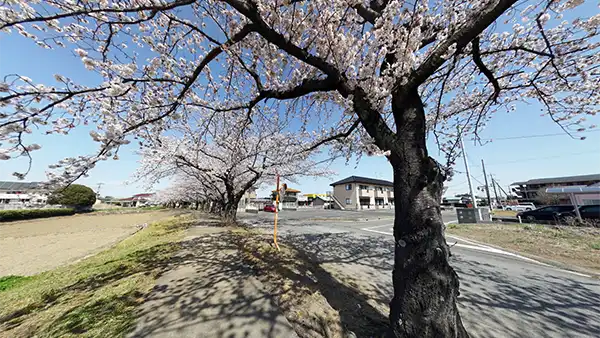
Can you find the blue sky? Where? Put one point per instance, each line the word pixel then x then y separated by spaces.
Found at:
pixel 509 160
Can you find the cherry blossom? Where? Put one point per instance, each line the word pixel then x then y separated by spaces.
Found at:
pixel 370 77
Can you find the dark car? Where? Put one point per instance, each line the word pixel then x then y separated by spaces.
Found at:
pixel 269 208
pixel 549 213
pixel 591 211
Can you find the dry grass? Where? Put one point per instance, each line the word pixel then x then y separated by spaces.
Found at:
pixel 95 297
pixel 504 213
pixel 569 246
pixel 315 302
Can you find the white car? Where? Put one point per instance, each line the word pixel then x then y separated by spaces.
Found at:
pixel 521 207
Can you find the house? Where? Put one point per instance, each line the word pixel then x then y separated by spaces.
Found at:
pixel 137 200
pixel 289 201
pixel 528 190
pixel 21 195
pixel 247 199
pixel 357 193
pixel 313 200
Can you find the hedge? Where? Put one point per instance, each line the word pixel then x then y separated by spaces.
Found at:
pixel 15 215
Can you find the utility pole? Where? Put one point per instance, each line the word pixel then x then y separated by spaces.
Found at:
pixel 100 184
pixel 494 186
pixel 487 188
pixel 464 153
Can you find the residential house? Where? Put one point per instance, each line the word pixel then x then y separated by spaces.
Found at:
pixel 247 199
pixel 313 200
pixel 360 193
pixel 21 195
pixel 137 200
pixel 289 201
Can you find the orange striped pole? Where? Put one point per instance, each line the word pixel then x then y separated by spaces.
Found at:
pixel 276 212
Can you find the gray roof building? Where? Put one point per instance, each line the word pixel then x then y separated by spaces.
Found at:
pixel 592 178
pixel 20 186
pixel 359 179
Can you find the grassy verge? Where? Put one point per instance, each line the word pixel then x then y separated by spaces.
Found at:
pixel 95 297
pixel 504 213
pixel 126 210
pixel 570 246
pixel 315 302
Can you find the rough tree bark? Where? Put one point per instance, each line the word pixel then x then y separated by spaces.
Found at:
pixel 229 211
pixel 425 286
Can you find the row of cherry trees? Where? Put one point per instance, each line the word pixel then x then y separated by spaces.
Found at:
pixel 216 163
pixel 375 76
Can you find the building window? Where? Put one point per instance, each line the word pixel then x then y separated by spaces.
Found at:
pixel 380 189
pixel 348 186
pixel 364 187
pixel 347 201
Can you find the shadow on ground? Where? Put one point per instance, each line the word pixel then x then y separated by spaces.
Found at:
pixel 305 262
pixel 528 301
pixel 209 292
pixel 495 303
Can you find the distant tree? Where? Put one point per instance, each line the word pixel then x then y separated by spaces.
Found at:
pixel 75 195
pixel 547 199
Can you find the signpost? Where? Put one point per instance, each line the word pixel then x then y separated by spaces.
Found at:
pixel 276 212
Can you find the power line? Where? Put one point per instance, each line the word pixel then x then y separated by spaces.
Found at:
pixel 540 135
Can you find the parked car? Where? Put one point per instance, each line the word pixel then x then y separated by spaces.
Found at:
pixel 521 207
pixel 269 208
pixel 591 211
pixel 549 213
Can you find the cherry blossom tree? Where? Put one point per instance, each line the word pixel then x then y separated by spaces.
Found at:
pixel 183 190
pixel 231 157
pixel 368 75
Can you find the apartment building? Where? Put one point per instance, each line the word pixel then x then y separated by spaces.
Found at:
pixel 528 190
pixel 360 193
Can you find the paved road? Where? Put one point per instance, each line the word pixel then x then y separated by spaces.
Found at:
pixel 501 295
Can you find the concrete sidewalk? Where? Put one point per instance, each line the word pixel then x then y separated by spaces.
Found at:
pixel 209 292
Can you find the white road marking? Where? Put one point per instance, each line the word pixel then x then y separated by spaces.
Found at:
pixel 480 247
pixel 377 231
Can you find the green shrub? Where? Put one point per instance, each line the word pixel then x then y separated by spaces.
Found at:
pixel 75 195
pixel 15 215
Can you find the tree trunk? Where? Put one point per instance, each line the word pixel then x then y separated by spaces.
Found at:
pixel 425 286
pixel 229 212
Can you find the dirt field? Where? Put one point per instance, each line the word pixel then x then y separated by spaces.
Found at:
pixel 30 247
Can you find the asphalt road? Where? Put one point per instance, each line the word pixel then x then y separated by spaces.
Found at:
pixel 502 295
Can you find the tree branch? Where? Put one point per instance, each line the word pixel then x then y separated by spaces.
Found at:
pixel 472 28
pixel 153 8
pixel 333 137
pixel 247 29
pixel 488 73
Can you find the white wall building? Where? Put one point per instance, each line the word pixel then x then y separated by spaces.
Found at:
pixel 22 195
pixel 362 193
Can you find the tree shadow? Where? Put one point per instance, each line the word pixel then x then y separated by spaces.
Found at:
pixel 525 300
pixel 536 303
pixel 355 299
pixel 209 291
